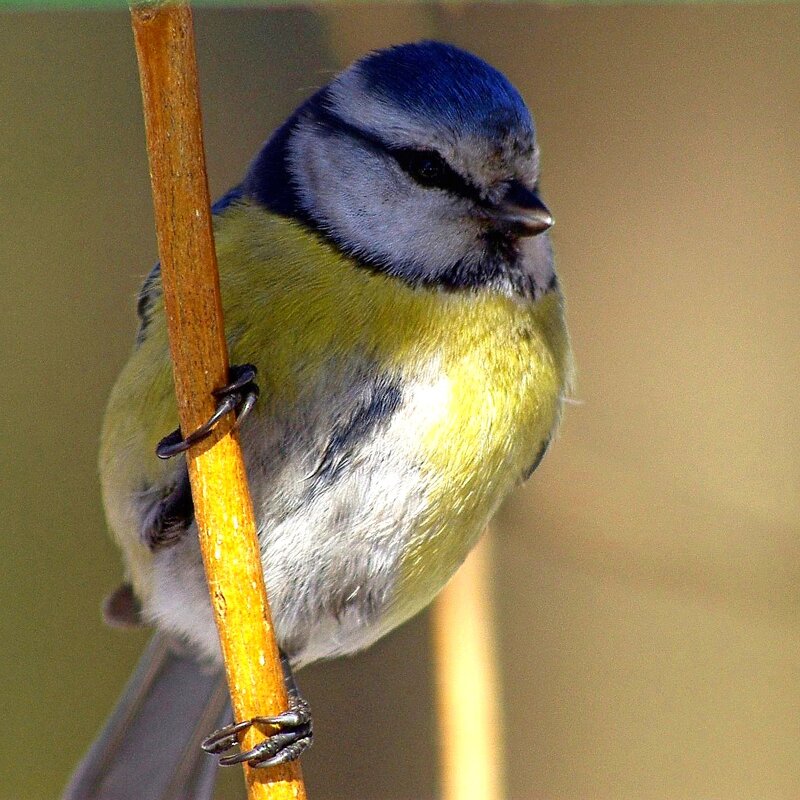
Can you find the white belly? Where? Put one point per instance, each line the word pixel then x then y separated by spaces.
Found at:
pixel 332 538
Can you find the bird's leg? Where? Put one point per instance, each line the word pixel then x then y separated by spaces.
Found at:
pixel 292 734
pixel 239 395
pixel 170 518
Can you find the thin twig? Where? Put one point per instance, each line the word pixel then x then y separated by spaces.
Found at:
pixel 467 685
pixel 223 510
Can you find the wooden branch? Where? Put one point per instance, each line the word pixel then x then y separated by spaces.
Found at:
pixel 467 685
pixel 223 510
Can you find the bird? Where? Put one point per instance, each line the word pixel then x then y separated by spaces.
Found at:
pixel 402 360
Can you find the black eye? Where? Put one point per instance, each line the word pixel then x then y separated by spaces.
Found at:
pixel 429 169
pixel 425 166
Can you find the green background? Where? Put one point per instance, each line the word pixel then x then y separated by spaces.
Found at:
pixel 646 579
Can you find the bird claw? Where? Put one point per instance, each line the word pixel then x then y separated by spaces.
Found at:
pixel 239 395
pixel 293 735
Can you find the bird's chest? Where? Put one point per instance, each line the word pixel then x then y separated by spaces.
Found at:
pixel 392 423
pixel 480 406
pixel 485 393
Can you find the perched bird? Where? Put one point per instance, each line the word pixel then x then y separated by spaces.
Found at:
pixel 386 268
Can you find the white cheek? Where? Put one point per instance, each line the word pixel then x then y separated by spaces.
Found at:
pixel 360 198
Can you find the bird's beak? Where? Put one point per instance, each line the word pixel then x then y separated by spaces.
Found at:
pixel 522 211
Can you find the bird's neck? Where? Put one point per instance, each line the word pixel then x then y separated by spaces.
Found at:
pixel 268 180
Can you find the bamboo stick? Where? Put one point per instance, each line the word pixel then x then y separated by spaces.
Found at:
pixel 467 684
pixel 165 50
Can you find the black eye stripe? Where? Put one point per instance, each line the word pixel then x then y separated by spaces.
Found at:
pixel 425 166
pixel 429 169
pixel 411 160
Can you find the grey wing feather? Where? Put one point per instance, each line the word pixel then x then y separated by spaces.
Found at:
pixel 150 747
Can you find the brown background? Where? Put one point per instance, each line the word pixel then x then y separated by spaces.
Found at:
pixel 646 578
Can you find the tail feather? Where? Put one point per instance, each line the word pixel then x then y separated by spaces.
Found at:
pixel 150 747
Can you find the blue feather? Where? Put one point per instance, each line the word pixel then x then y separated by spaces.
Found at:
pixel 228 199
pixel 444 84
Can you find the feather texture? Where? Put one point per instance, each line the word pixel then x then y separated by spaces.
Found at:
pixel 445 398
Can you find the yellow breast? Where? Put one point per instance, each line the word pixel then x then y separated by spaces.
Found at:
pixel 487 373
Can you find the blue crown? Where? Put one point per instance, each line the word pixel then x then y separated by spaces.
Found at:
pixel 441 83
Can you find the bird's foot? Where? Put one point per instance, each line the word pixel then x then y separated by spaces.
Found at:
pixel 239 395
pixel 292 735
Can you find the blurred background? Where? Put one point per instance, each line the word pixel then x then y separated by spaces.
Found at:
pixel 646 578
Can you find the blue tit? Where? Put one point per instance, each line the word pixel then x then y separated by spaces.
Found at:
pixel 385 265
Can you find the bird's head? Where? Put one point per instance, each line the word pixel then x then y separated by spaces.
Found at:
pixel 421 161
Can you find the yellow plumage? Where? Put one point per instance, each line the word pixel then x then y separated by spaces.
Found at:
pixel 406 388
pixel 496 368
